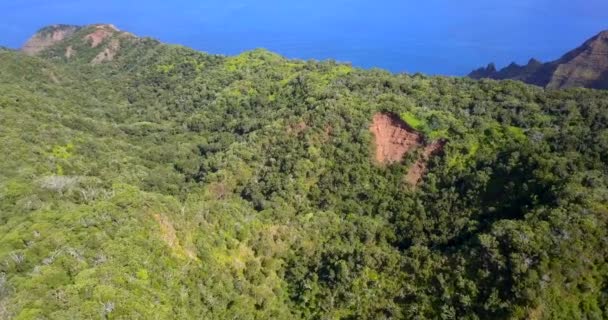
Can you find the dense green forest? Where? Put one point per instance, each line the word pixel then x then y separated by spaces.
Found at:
pixel 166 183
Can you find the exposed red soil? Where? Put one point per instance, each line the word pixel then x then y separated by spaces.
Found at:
pixel 417 170
pixel 394 138
pixel 99 35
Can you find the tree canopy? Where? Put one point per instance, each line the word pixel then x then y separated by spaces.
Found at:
pixel 173 184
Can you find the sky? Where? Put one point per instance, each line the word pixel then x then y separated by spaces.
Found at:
pixel 446 37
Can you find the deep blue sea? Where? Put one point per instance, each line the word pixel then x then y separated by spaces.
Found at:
pixel 433 36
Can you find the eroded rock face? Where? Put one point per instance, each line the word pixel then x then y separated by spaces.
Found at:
pixel 394 138
pixel 47 37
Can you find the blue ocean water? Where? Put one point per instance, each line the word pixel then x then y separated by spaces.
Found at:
pixel 433 36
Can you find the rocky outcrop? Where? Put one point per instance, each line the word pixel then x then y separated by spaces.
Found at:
pixel 586 66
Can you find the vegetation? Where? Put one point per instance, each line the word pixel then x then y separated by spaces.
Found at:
pixel 173 184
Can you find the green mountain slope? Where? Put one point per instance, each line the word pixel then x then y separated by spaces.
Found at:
pixel 165 183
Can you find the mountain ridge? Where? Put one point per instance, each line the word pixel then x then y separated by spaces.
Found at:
pixel 586 66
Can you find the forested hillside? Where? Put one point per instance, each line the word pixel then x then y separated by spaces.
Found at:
pixel 148 181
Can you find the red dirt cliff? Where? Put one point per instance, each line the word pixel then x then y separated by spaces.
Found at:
pixel 394 139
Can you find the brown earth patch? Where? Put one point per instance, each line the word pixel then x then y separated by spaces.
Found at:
pixel 417 170
pixel 394 138
pixel 99 35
